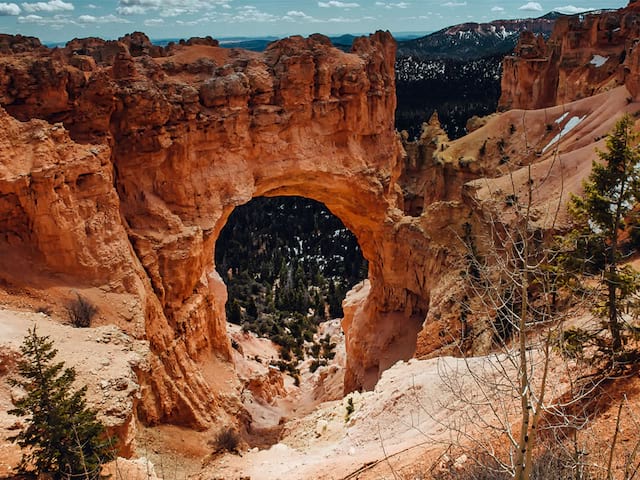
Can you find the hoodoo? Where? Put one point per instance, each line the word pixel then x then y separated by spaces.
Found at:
pixel 585 55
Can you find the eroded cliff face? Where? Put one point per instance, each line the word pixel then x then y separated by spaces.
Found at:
pixel 585 55
pixel 133 156
pixel 121 162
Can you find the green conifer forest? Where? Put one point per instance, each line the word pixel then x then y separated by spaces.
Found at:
pixel 288 263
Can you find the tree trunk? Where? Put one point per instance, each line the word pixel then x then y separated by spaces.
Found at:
pixel 614 325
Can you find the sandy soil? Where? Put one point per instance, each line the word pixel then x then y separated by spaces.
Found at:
pixel 405 413
pixel 396 431
pixel 104 359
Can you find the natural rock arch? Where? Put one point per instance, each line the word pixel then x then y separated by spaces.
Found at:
pixel 179 137
pixel 322 128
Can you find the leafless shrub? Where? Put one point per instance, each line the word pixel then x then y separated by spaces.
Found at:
pixel 81 311
pixel 226 440
pixel 554 464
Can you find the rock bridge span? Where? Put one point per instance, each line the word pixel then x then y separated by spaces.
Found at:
pixel 160 144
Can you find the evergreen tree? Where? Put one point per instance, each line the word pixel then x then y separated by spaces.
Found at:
pixel 252 309
pixel 610 194
pixel 235 313
pixel 62 436
pixel 334 299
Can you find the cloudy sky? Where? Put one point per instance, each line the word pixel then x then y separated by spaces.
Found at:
pixel 60 20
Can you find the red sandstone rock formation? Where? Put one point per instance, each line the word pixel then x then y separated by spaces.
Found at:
pixel 128 164
pixel 163 144
pixel 586 54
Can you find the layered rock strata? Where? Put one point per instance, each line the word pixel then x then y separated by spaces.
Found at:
pixel 585 55
pixel 132 157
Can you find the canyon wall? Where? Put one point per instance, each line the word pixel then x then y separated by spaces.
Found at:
pixel 121 162
pixel 585 55
pixel 131 158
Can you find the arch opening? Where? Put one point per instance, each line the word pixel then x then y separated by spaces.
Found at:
pixel 288 262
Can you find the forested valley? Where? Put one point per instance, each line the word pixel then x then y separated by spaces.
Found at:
pixel 288 263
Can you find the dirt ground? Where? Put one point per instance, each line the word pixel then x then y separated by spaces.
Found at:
pixel 397 431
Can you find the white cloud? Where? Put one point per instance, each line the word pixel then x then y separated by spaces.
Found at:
pixel 57 22
pixel 338 4
pixel 7 9
pixel 250 13
pixel 389 6
pixel 497 9
pixel 455 4
pixel 50 6
pixel 175 11
pixel 343 20
pixel 30 19
pixel 191 23
pixel 131 10
pixel 60 21
pixel 84 19
pixel 168 8
pixel 92 6
pixel 297 16
pixel 531 7
pixel 293 15
pixel 154 22
pixel 571 10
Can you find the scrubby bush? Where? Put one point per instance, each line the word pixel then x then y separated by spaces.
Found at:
pixel 226 440
pixel 315 364
pixel 483 148
pixel 349 409
pixel 81 311
pixel 44 309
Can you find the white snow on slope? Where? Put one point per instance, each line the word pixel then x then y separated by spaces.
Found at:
pixel 598 60
pixel 570 125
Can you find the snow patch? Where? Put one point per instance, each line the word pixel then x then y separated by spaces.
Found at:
pixel 570 125
pixel 598 60
pixel 562 117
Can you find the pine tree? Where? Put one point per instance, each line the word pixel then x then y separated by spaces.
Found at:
pixel 334 299
pixel 62 436
pixel 252 309
pixel 235 313
pixel 610 193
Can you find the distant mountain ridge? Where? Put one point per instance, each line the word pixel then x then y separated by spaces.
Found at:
pixel 471 40
pixel 456 71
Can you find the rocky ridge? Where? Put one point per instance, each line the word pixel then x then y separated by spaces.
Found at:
pixel 585 55
pixel 470 40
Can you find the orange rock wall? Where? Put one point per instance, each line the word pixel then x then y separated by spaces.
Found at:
pixel 164 143
pixel 542 74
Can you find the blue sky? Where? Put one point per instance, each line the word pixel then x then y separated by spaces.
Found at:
pixel 60 20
